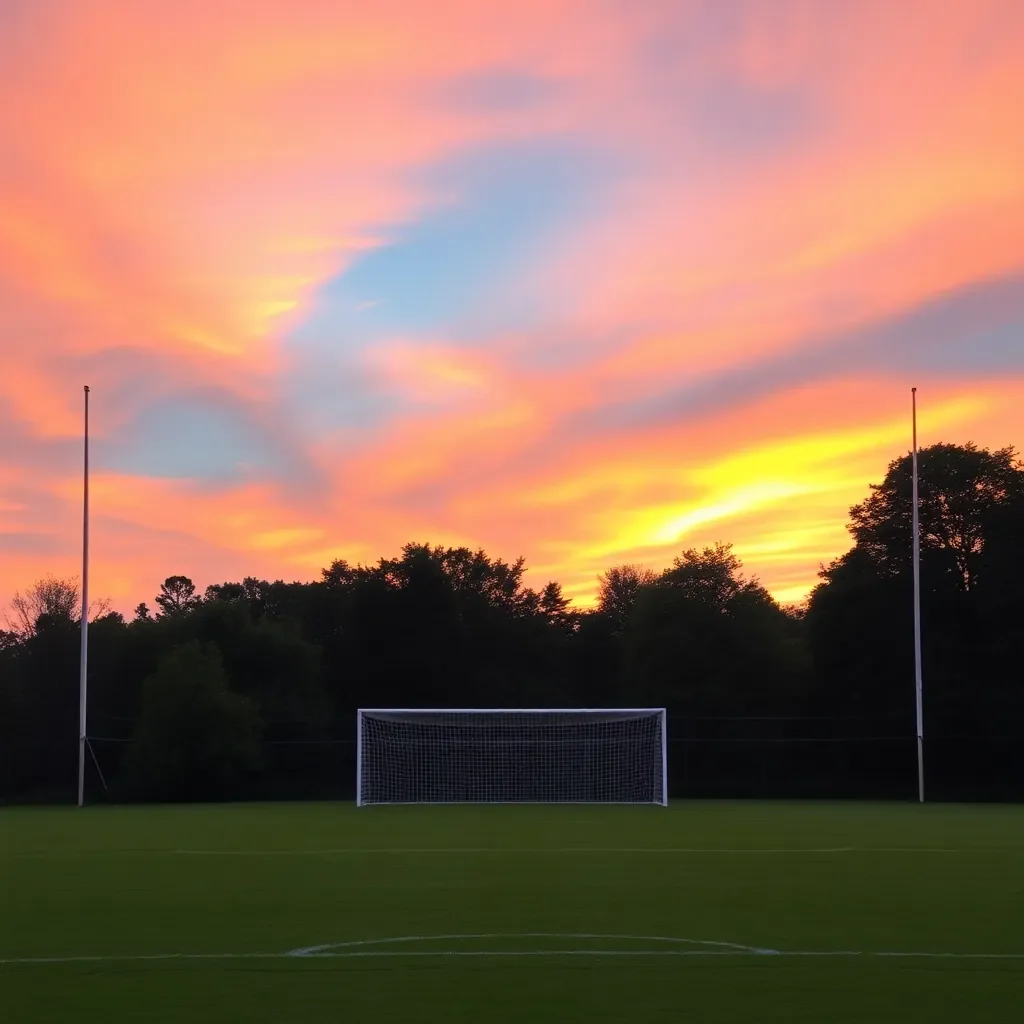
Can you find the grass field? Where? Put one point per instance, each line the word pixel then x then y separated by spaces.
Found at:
pixel 709 912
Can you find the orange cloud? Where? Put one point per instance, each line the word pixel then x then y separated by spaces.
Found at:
pixel 799 215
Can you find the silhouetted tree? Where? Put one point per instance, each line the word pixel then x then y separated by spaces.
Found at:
pixel 554 606
pixel 17 768
pixel 860 617
pixel 195 739
pixel 960 487
pixel 618 590
pixel 704 639
pixel 265 660
pixel 860 622
pixel 177 596
pixel 57 598
pixel 444 626
pixel 54 597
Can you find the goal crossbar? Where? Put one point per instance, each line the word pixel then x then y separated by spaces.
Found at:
pixel 511 711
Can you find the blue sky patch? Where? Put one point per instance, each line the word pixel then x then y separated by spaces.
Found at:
pixel 462 272
pixel 201 437
pixel 464 268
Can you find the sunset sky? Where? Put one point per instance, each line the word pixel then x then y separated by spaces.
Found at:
pixel 588 282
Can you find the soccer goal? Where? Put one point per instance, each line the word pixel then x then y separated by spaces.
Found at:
pixel 491 756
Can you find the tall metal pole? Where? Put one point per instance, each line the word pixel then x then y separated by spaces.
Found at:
pixel 918 689
pixel 84 657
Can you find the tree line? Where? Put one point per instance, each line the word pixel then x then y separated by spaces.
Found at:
pixel 249 689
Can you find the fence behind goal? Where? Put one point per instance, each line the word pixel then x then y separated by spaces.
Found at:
pixel 407 756
pixel 822 758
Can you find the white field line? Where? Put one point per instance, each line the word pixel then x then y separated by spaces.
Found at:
pixel 367 953
pixel 574 849
pixel 369 948
pixel 508 954
pixel 450 850
pixel 507 936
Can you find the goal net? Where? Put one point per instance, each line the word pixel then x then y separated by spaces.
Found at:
pixel 514 756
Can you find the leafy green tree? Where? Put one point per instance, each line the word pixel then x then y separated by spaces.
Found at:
pixel 195 738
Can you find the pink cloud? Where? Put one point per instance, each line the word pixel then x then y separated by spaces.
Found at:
pixel 181 180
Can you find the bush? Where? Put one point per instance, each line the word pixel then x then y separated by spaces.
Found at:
pixel 195 739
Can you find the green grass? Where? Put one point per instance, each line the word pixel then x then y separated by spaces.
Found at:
pixel 117 882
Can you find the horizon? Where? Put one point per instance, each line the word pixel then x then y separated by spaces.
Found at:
pixel 101 604
pixel 584 288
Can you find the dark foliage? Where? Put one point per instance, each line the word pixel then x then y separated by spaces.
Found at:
pixel 251 688
pixel 195 739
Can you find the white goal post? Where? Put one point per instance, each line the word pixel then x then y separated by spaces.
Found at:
pixel 520 755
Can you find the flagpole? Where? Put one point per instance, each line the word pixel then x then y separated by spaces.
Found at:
pixel 918 688
pixel 84 656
